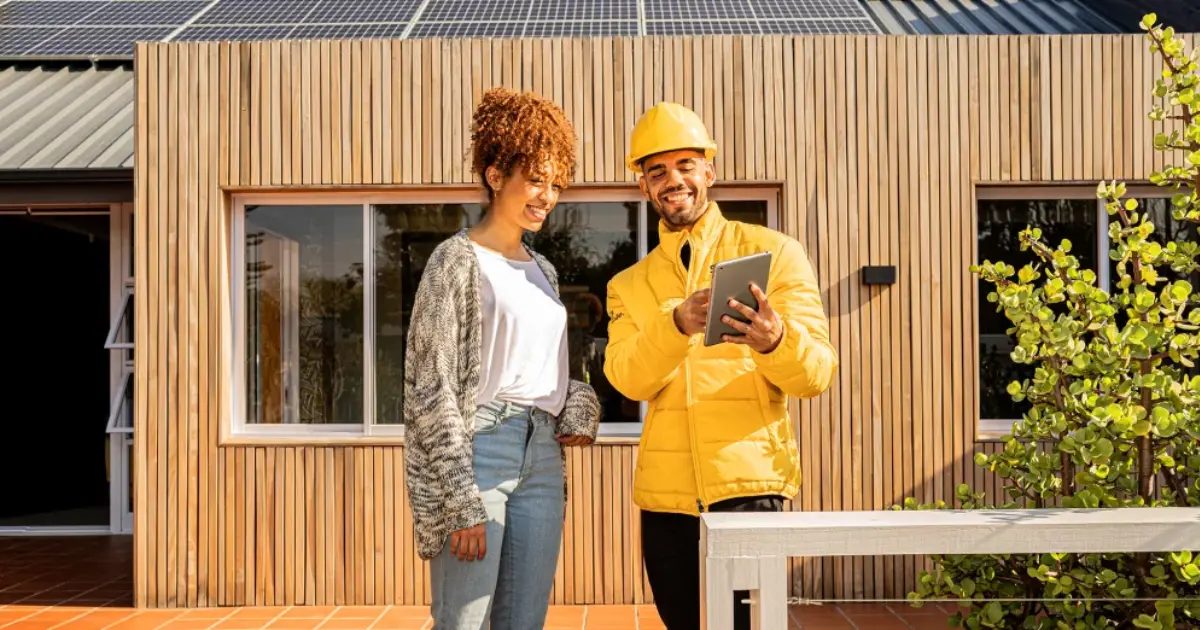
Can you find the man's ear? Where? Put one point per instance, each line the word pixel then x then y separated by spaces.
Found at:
pixel 644 188
pixel 710 174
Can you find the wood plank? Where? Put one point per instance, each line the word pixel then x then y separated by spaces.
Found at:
pixel 190 436
pixel 169 488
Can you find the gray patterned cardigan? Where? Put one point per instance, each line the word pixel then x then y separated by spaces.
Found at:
pixel 441 378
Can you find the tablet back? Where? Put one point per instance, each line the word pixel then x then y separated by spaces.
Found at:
pixel 731 279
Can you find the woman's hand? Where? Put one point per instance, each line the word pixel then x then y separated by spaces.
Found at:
pixel 574 440
pixel 469 544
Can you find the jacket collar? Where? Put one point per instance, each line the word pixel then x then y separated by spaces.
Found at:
pixel 701 233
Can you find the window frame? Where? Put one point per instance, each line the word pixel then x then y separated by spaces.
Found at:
pixel 235 430
pixel 999 429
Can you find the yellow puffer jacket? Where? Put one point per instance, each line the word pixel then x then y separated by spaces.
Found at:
pixel 718 425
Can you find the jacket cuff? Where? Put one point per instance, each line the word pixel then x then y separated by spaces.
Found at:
pixel 581 413
pixel 465 514
pixel 665 335
pixel 787 350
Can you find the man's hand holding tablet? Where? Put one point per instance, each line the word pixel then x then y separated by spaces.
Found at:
pixel 738 310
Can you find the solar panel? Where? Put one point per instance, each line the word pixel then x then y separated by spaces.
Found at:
pixel 347 31
pixel 581 29
pixel 467 29
pixel 46 13
pixel 819 27
pixel 808 9
pixel 15 40
pixel 258 12
pixel 475 11
pixel 360 11
pixel 109 27
pixel 693 10
pixel 702 27
pixel 568 10
pixel 98 40
pixel 232 33
pixel 131 13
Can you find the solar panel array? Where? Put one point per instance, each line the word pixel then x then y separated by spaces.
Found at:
pixel 109 28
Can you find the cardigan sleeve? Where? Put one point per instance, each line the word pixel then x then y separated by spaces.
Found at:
pixel 441 478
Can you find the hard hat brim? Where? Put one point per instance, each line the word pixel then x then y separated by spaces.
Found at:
pixel 634 162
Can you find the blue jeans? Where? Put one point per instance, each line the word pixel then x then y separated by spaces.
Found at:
pixel 519 471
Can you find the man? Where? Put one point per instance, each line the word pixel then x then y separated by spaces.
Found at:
pixel 717 436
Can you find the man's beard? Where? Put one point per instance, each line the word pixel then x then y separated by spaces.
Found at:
pixel 686 217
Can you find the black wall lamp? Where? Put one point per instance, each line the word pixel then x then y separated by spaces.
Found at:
pixel 879 274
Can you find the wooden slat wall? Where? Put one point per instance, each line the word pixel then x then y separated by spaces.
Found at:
pixel 878 140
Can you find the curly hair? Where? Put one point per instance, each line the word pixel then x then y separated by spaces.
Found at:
pixel 512 130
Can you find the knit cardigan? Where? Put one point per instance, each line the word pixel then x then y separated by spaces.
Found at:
pixel 441 379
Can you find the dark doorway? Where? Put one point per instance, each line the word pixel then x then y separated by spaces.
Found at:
pixel 55 282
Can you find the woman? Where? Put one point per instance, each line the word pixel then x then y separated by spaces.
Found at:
pixel 488 402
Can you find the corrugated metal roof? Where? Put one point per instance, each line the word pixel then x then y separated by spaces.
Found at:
pixel 64 118
pixel 989 17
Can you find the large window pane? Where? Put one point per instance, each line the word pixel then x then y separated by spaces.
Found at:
pixel 304 314
pixel 405 236
pixel 588 243
pixel 1000 224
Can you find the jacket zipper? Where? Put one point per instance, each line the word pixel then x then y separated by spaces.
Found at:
pixel 689 288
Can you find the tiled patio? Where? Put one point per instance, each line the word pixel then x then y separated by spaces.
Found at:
pixel 84 584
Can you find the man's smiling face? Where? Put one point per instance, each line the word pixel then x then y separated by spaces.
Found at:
pixel 676 183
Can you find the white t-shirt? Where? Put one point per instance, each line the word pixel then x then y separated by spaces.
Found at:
pixel 524 338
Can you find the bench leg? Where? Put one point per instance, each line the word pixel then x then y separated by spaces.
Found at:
pixel 716 594
pixel 768 609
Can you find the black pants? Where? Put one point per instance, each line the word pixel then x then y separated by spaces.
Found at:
pixel 671 550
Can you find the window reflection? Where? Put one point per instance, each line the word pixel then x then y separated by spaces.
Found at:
pixel 1000 224
pixel 589 243
pixel 586 242
pixel 405 236
pixel 304 314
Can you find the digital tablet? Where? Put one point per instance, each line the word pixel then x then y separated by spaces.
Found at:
pixel 731 279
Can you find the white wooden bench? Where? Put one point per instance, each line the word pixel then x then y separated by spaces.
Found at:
pixel 750 551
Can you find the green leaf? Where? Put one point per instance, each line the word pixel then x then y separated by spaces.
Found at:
pixel 1181 290
pixel 1148 622
pixel 1183 557
pixel 994 612
pixel 1149 21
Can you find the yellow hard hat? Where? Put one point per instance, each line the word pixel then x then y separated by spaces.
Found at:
pixel 668 127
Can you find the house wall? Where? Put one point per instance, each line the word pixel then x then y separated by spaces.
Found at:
pixel 878 143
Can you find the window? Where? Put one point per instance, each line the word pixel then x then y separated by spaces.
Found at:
pixel 325 286
pixel 1061 213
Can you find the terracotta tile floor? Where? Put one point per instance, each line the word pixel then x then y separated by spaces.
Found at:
pixel 72 617
pixel 84 584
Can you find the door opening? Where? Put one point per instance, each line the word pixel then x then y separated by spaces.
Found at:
pixel 57 283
